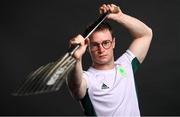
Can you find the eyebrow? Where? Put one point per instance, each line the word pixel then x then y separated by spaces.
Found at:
pixel 101 41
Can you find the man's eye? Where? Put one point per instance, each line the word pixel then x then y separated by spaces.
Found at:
pixel 94 44
pixel 106 42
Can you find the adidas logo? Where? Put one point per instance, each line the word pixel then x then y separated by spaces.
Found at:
pixel 104 86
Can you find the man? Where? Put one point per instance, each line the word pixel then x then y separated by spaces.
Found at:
pixel 107 88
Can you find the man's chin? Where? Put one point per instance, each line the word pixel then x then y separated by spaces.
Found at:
pixel 102 62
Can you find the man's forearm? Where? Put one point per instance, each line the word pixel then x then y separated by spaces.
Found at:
pixel 75 76
pixel 136 28
pixel 76 82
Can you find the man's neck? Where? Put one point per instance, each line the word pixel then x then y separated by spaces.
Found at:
pixel 103 66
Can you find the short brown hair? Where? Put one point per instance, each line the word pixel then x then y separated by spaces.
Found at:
pixel 103 26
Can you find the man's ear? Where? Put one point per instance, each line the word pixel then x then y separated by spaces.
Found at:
pixel 113 42
pixel 88 43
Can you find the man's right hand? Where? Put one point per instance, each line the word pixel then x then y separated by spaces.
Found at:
pixel 79 39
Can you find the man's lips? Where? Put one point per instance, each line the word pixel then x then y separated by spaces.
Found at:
pixel 102 56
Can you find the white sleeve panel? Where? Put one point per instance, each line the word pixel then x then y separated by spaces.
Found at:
pixel 87 76
pixel 128 56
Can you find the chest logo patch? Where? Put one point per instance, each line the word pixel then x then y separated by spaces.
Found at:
pixel 121 70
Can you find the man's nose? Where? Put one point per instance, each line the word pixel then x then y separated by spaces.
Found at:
pixel 100 48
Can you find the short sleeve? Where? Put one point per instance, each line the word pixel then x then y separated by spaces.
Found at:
pixel 86 76
pixel 129 58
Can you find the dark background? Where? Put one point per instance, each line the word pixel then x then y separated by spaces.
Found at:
pixel 34 33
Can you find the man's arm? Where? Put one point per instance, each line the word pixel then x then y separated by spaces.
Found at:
pixel 76 82
pixel 141 33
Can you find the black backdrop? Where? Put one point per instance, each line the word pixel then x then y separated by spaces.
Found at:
pixel 33 33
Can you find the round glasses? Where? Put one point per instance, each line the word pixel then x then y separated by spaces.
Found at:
pixel 105 44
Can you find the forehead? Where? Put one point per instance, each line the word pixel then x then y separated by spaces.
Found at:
pixel 100 36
